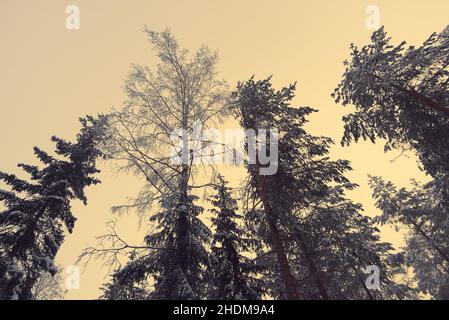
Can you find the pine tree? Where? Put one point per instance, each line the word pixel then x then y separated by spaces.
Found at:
pixel 233 276
pixel 303 171
pixel 256 103
pixel 400 95
pixel 38 211
pixel 320 240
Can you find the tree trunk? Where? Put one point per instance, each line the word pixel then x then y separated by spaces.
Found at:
pixel 284 266
pixel 238 280
pixel 425 236
pixel 182 249
pixel 429 102
pixel 368 293
pixel 313 269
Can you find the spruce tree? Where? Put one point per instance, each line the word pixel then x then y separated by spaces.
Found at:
pixel 180 260
pixel 173 262
pixel 32 228
pixel 233 276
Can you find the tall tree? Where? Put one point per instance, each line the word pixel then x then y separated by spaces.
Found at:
pixel 233 276
pixel 38 211
pixel 157 136
pixel 402 95
pixel 256 105
pixel 315 233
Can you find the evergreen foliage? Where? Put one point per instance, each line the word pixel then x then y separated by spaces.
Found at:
pixel 32 228
pixel 233 276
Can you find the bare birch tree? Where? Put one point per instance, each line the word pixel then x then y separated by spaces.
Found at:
pixel 150 135
pixel 158 136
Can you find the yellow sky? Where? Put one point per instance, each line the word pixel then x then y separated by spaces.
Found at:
pixel 49 76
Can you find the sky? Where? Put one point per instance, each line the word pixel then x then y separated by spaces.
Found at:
pixel 51 75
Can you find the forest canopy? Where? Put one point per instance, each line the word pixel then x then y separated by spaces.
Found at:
pixel 292 233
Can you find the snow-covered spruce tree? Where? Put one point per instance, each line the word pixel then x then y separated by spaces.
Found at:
pixel 174 260
pixel 320 241
pixel 422 214
pixel 232 276
pixel 179 263
pixel 38 211
pixel 302 168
